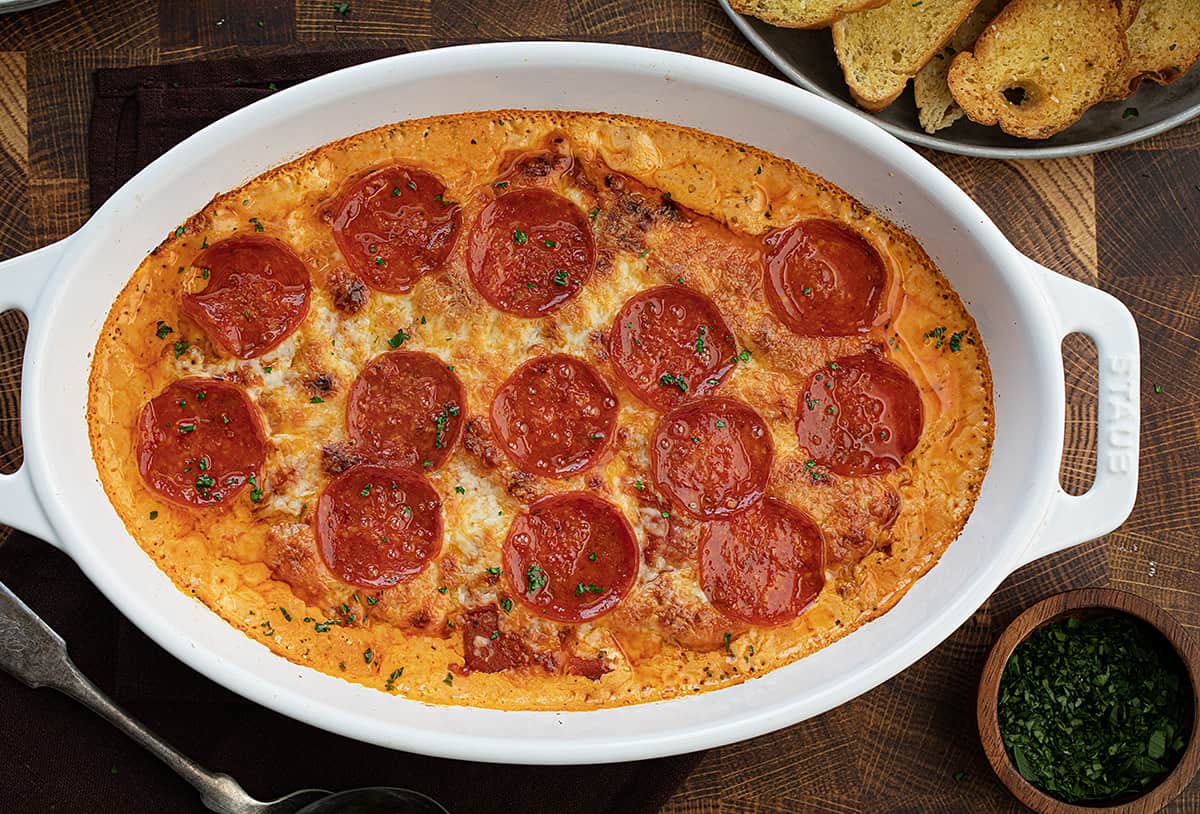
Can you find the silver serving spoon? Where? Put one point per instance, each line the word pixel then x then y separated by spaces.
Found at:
pixel 34 654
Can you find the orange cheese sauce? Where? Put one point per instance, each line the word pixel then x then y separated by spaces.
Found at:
pixel 666 205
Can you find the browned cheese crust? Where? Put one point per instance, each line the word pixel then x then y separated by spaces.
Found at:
pixel 667 204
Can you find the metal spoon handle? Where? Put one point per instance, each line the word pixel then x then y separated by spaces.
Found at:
pixel 34 654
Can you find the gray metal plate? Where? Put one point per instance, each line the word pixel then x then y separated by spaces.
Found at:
pixel 807 58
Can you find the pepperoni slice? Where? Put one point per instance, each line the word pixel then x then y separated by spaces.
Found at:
pixel 408 408
pixel 764 566
pixel 670 343
pixel 486 648
pixel 571 557
pixel 199 443
pixel 257 294
pixel 394 225
pixel 378 525
pixel 823 279
pixel 531 250
pixel 554 415
pixel 860 415
pixel 712 456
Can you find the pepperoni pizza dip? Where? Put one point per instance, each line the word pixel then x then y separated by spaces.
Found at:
pixel 541 410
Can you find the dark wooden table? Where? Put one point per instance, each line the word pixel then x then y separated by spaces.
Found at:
pixel 1125 221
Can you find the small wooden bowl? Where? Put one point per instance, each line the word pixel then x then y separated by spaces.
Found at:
pixel 1089 602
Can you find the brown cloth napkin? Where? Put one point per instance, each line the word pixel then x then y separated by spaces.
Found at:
pixel 60 757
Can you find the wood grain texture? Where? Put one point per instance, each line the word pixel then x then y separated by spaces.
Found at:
pixel 382 20
pixel 1125 221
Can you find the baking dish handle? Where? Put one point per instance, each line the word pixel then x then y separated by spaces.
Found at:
pixel 1074 519
pixel 22 280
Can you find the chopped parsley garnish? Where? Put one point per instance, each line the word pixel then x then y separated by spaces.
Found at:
pixel 595 212
pixel 672 380
pixel 519 237
pixel 411 185
pixel 727 638
pixel 720 423
pixel 1130 112
pixel 637 484
pixel 368 655
pixel 665 514
pixel 1092 709
pixel 832 365
pixel 549 244
pixel 501 185
pixel 494 571
pixel 398 340
pixel 810 402
pixel 449 679
pixel 366 490
pixel 560 277
pixel 644 253
pixel 181 348
pixel 1158 388
pixel 937 334
pixel 806 291
pixel 390 684
pixel 395 192
pixel 955 343
pixel 256 494
pixel 258 227
pixel 154 515
pixel 205 482
pixel 180 231
pixel 282 610
pixel 582 589
pixel 187 427
pixel 506 603
pixel 316 400
pixel 744 356
pixel 440 421
pixel 460 490
pixel 592 557
pixel 535 578
pixel 163 330
pixel 442 589
pixel 700 341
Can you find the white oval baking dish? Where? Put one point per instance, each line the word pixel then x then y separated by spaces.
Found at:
pixel 1023 311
